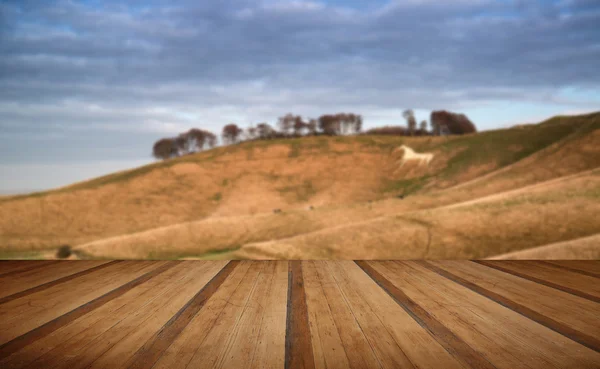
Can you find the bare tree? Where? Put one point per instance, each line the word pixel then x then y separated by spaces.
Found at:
pixel 286 123
pixel 251 132
pixel 358 122
pixel 165 148
pixel 211 140
pixel 265 131
pixel 231 133
pixel 329 124
pixel 423 127
pixel 312 126
pixel 411 121
pixel 299 125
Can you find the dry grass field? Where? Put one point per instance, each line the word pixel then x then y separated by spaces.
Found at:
pixel 483 195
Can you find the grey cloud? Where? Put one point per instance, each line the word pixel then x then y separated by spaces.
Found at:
pixel 154 67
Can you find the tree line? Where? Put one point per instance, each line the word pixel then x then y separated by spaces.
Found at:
pixel 292 126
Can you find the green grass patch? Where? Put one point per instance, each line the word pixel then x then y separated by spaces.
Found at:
pixel 216 197
pixel 302 192
pixel 216 254
pixel 20 255
pixel 404 186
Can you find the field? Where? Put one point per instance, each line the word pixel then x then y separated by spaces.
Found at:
pixel 483 195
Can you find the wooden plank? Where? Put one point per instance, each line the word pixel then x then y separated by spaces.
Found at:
pixel 270 350
pixel 184 347
pixel 33 278
pixel 70 275
pixel 461 351
pixel 590 266
pixel 20 341
pixel 239 353
pixel 27 266
pixel 328 349
pixel 505 338
pixel 298 348
pixel 7 266
pixel 149 354
pixel 419 346
pixel 578 285
pixel 359 351
pixel 21 315
pixel 113 349
pixel 566 266
pixel 210 352
pixel 388 353
pixel 458 272
pixel 73 337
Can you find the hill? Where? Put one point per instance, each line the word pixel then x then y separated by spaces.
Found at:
pixel 219 203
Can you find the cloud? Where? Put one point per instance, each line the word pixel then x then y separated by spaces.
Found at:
pixel 109 71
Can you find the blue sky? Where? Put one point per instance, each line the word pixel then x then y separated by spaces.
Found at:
pixel 86 87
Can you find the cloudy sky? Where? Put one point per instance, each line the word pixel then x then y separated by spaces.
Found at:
pixel 86 87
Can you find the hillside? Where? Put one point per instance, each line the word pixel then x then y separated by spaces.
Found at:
pixel 219 203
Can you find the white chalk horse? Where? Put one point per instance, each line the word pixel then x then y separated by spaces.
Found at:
pixel 410 154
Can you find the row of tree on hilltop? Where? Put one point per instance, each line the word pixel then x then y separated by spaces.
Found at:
pixel 292 126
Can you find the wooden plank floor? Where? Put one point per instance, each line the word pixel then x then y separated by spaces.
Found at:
pixel 299 314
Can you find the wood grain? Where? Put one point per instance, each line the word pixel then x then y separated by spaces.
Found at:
pixel 298 314
pixel 298 347
pixel 564 329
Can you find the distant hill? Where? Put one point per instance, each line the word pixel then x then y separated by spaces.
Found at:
pixel 219 203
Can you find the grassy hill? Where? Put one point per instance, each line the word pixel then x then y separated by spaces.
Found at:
pixel 219 203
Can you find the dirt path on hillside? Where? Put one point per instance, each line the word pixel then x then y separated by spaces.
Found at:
pixel 484 199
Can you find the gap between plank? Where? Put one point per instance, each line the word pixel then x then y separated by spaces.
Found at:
pixel 147 355
pixel 26 339
pixel 570 269
pixel 453 344
pixel 563 329
pixel 572 291
pixel 56 282
pixel 298 346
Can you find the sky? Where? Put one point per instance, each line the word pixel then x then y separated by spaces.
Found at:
pixel 86 87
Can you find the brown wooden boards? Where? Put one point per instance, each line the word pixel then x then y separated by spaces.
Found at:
pixel 445 337
pixel 298 348
pixel 576 268
pixel 18 286
pixel 592 267
pixel 40 321
pixel 570 316
pixel 150 352
pixel 278 314
pixel 505 338
pixel 573 283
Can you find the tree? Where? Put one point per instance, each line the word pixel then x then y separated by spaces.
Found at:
pixel 358 121
pixel 165 148
pixel 312 126
pixel 182 144
pixel 411 122
pixel 231 133
pixel 286 123
pixel 435 127
pixel 211 139
pixel 197 138
pixel 423 127
pixel 451 123
pixel 329 124
pixel 265 131
pixel 299 125
pixel 251 132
